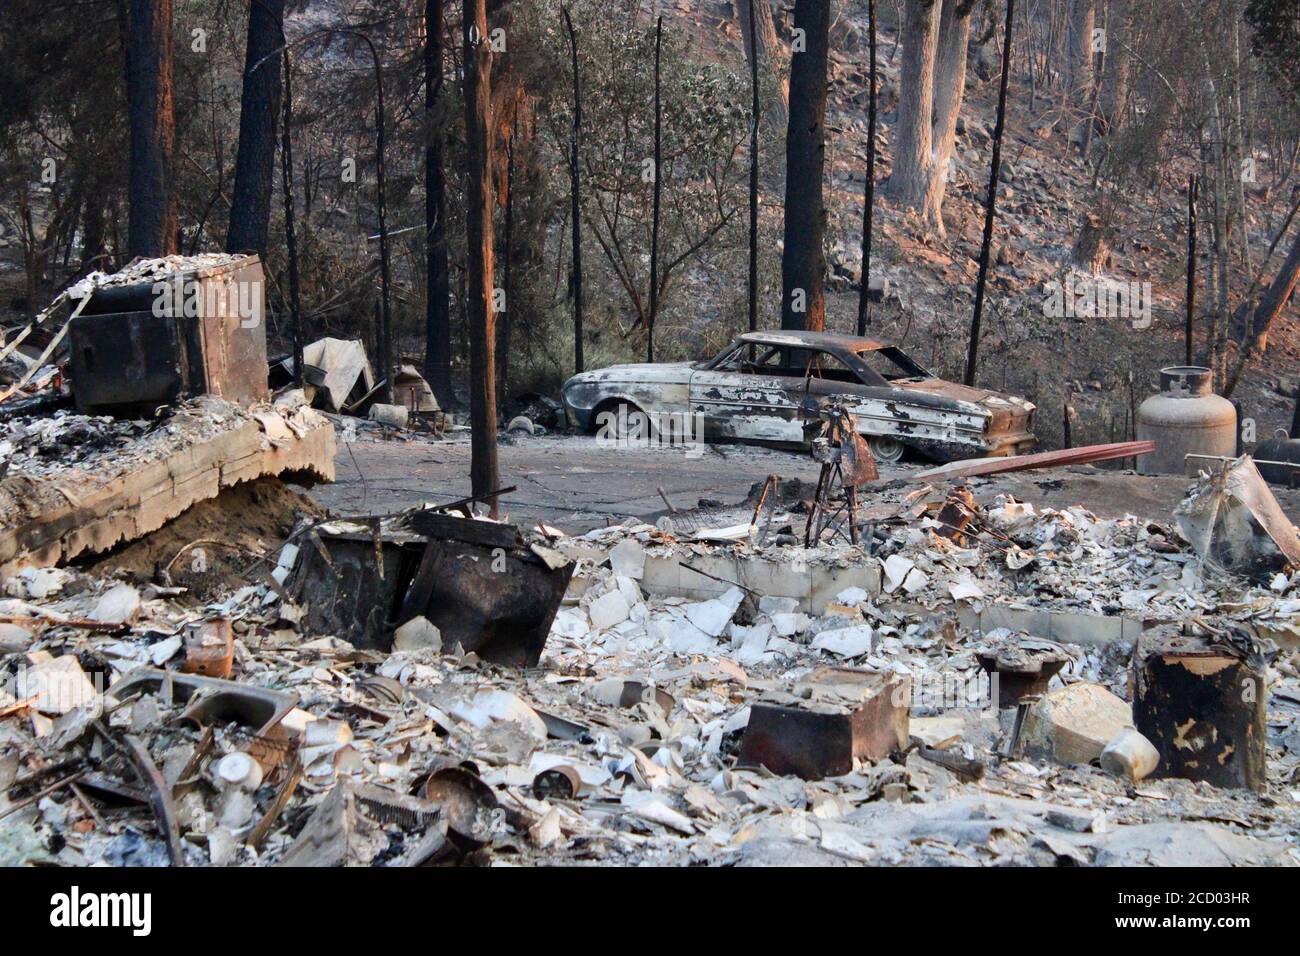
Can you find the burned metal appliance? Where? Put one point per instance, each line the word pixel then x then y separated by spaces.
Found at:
pixel 480 583
pixel 194 332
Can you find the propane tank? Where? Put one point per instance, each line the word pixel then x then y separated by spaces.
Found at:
pixel 1185 418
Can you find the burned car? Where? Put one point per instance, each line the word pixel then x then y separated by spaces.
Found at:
pixel 767 388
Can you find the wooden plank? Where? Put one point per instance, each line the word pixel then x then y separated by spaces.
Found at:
pixel 1045 459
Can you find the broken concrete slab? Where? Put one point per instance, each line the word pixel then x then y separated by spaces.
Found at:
pixel 814 582
pixel 1073 725
pixel 819 726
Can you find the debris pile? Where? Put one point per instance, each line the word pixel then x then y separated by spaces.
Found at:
pixel 683 708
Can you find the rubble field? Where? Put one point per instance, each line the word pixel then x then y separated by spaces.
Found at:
pixel 709 692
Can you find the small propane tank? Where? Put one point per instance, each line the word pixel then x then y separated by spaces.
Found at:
pixel 1185 418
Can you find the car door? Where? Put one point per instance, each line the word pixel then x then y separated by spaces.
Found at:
pixel 740 399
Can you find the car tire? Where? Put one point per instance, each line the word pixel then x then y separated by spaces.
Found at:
pixel 629 423
pixel 886 451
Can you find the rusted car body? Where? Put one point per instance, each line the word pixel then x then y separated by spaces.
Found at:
pixel 766 388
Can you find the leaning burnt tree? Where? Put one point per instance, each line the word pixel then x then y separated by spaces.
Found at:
pixel 151 224
pixel 437 307
pixel 478 244
pixel 259 107
pixel 803 304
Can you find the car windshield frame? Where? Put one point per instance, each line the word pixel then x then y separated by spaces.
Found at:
pixel 851 359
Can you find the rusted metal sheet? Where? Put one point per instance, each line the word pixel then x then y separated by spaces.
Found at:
pixel 818 727
pixel 1201 702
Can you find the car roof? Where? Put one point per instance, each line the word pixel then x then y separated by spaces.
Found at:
pixel 828 341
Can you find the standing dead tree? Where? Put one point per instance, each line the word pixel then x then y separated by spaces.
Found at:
pixel 654 222
pixel 151 229
pixel 803 304
pixel 575 196
pixel 762 51
pixel 869 190
pixel 259 107
pixel 751 287
pixel 478 243
pixel 990 210
pixel 935 34
pixel 437 307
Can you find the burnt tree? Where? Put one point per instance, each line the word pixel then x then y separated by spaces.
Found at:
pixel 575 197
pixel 478 243
pixel 752 283
pixel 654 213
pixel 758 30
pixel 869 191
pixel 803 304
pixel 437 306
pixel 151 224
pixel 259 107
pixel 990 209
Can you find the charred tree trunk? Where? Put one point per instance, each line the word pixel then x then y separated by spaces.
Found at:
pixel 507 268
pixel 972 348
pixel 911 182
pixel 759 33
pixel 1274 299
pixel 869 191
pixel 437 307
pixel 575 194
pixel 151 229
pixel 653 312
pixel 1192 184
pixel 803 303
pixel 259 108
pixel 949 90
pixel 290 240
pixel 1078 51
pixel 752 285
pixel 1116 67
pixel 478 242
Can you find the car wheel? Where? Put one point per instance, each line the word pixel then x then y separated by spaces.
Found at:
pixel 624 422
pixel 886 451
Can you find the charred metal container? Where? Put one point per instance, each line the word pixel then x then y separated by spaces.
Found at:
pixel 1185 418
pixel 820 726
pixel 1202 704
pixel 485 588
pixel 193 332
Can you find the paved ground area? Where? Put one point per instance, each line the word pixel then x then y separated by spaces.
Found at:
pixel 576 484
